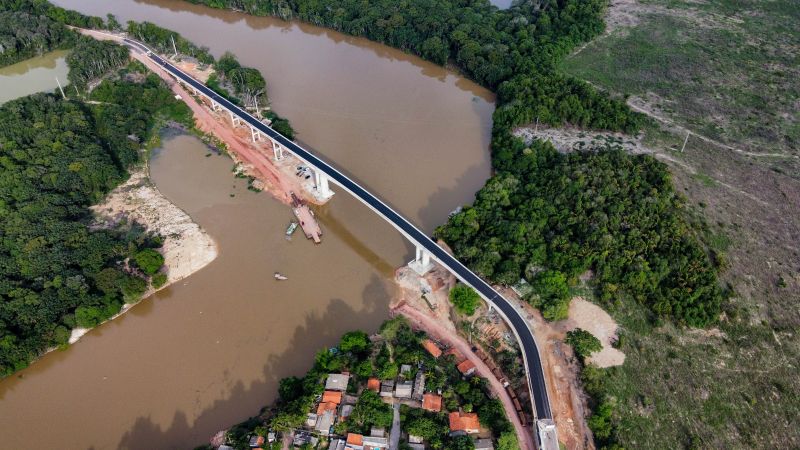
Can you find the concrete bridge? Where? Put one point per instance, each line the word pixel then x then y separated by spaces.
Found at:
pixel 426 249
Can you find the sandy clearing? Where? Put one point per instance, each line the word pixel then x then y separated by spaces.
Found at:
pixel 592 318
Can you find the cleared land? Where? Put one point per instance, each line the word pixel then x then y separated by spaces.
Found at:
pixel 728 72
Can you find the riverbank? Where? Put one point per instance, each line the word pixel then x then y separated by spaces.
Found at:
pixel 187 248
pixel 252 159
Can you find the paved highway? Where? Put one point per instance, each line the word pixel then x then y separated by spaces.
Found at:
pixel 512 315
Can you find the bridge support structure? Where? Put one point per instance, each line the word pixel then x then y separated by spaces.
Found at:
pixel 215 106
pixel 321 184
pixel 422 262
pixel 254 133
pixel 235 120
pixel 277 150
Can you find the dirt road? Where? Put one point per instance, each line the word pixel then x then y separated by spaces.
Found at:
pixel 443 334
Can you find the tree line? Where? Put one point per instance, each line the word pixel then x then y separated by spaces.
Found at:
pixel 549 217
pixel 24 35
pixel 58 158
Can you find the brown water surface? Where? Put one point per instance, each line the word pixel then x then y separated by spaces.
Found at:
pixel 208 351
pixel 33 75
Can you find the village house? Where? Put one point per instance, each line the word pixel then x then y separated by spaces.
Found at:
pixel 463 423
pixel 302 438
pixel 419 386
pixel 387 388
pixel 337 382
pixel 256 441
pixel 432 402
pixel 337 444
pixel 403 389
pixel 374 384
pixel 432 348
pixel 466 367
pixel 361 442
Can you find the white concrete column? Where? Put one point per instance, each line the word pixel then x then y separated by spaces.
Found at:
pixel 254 133
pixel 277 150
pixel 215 105
pixel 235 120
pixel 321 182
pixel 422 262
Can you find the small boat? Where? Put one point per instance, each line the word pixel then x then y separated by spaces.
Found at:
pixel 278 276
pixel 290 229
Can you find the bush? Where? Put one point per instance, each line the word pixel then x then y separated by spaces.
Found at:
pixel 465 299
pixel 159 280
pixel 149 260
pixel 583 342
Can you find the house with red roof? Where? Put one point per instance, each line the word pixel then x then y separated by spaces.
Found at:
pixel 461 422
pixel 432 402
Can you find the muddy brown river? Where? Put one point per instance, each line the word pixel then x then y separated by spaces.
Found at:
pixel 208 351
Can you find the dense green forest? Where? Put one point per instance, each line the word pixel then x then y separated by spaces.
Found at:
pixel 59 157
pixel 606 211
pixel 24 35
pixel 90 59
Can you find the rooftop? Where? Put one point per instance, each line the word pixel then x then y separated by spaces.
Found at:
pixel 337 382
pixel 432 348
pixel 332 397
pixel 326 406
pixel 466 367
pixel 461 421
pixel 403 389
pixel 432 402
pixel 374 384
pixel 355 439
pixel 484 444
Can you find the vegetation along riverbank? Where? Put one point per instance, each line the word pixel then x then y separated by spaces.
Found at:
pixel 86 235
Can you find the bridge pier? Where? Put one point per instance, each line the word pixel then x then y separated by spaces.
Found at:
pixel 235 120
pixel 422 262
pixel 277 150
pixel 215 106
pixel 321 182
pixel 254 133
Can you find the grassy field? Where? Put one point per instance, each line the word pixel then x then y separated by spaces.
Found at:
pixel 728 71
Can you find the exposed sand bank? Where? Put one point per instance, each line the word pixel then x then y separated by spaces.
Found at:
pixel 187 248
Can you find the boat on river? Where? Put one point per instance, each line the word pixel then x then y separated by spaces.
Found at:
pixel 280 276
pixel 290 229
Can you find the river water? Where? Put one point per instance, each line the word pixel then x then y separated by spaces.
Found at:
pixel 33 75
pixel 208 351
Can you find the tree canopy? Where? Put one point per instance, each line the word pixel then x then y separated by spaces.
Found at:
pixel 59 157
pixel 465 299
pixel 608 211
pixel 23 35
pixel 583 342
